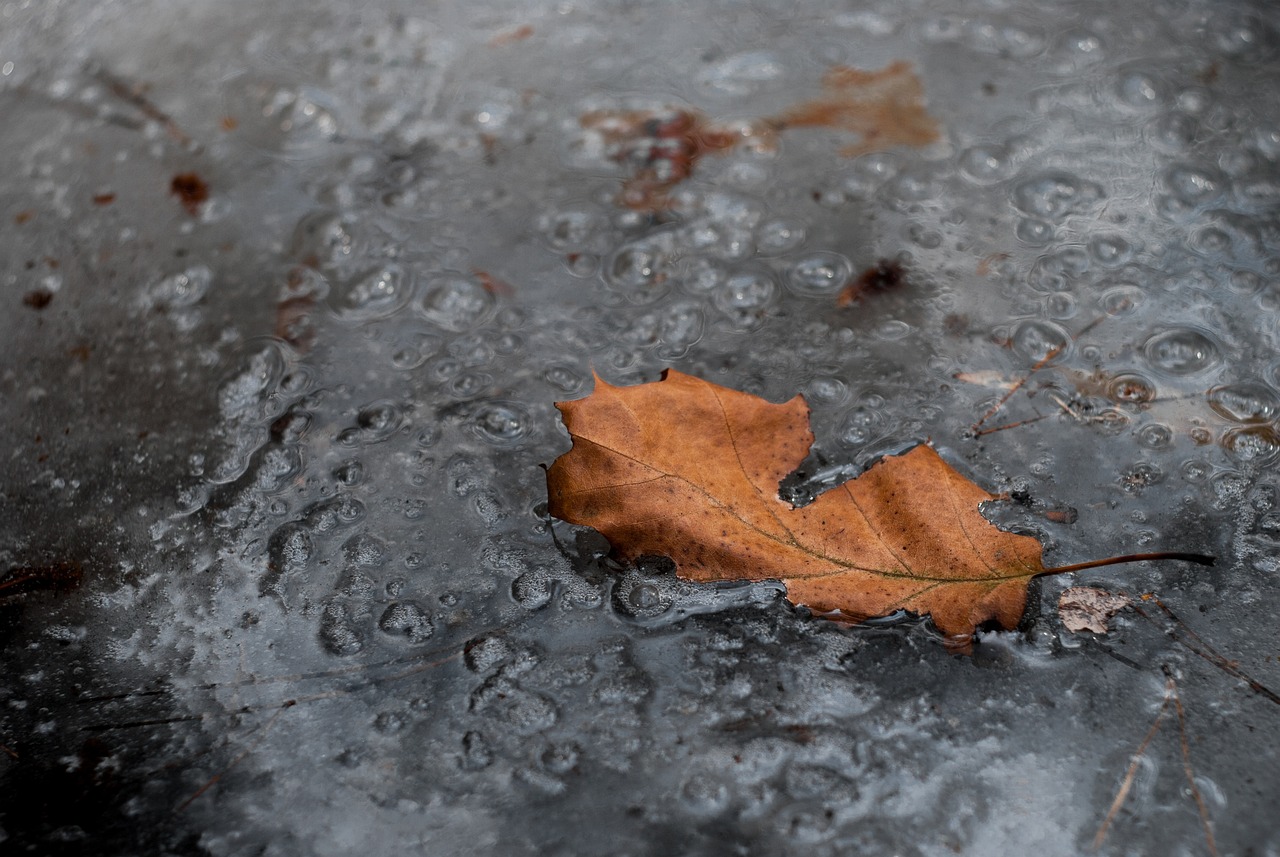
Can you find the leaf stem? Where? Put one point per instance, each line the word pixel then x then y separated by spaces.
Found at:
pixel 1197 558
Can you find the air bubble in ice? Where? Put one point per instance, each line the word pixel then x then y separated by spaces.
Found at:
pixel 1139 89
pixel 476 752
pixel 485 653
pixel 468 385
pixel 406 619
pixel 1121 300
pixel 502 423
pixel 1131 388
pixel 984 165
pixel 1155 436
pixel 572 230
pixel 1255 443
pixel 349 472
pixel 1180 351
pixel 338 632
pixel 1036 340
pixel 1053 195
pixel 639 271
pixel 1194 186
pixel 455 302
pixel 1035 232
pixel 364 550
pixel 561 757
pixel 827 390
pixel 563 378
pixel 1110 251
pixel 746 298
pixel 1245 402
pixel 862 425
pixel 245 391
pixel 819 274
pixel 373 294
pixel 774 237
pixel 532 590
pixel 182 289
pixel 290 547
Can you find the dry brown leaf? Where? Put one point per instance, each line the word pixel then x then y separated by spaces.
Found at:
pixel 688 469
pixel 1087 608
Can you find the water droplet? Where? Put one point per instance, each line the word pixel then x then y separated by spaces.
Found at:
pixel 1180 351
pixel 455 302
pixel 1245 402
pixel 1131 388
pixel 502 423
pixel 1036 340
pixel 820 274
pixel 374 294
pixel 406 619
pixel 1053 195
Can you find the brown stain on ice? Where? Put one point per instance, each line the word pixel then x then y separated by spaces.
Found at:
pixel 883 108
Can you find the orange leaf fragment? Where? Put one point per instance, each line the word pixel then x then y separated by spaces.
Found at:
pixel 688 469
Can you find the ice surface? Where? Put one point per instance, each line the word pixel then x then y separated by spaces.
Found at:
pixel 292 436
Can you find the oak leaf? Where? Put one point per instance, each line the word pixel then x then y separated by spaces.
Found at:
pixel 688 469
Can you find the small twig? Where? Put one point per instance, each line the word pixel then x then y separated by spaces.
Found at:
pixel 1017 385
pixel 1186 767
pixel 977 432
pixel 134 95
pixel 11 752
pixel 1197 558
pixel 1182 633
pixel 1127 783
pixel 1066 408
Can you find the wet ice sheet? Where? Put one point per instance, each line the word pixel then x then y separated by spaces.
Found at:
pixel 295 439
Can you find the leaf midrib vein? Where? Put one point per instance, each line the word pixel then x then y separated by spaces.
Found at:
pixel 728 510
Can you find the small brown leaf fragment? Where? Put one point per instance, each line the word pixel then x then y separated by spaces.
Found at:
pixel 1087 608
pixel 882 276
pixel 885 108
pixel 38 298
pixel 23 216
pixel 104 198
pixel 191 190
pixel 510 37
